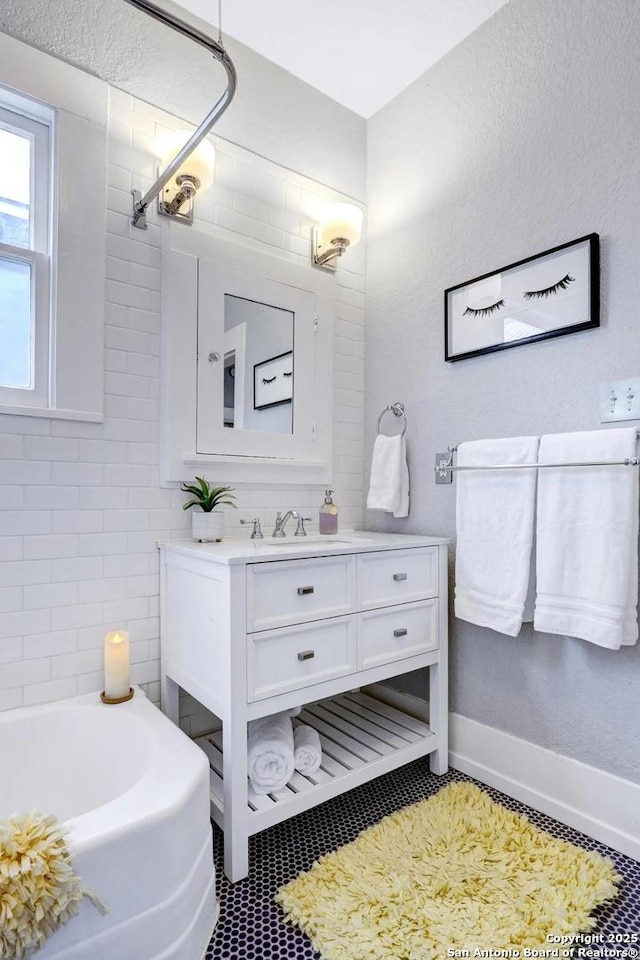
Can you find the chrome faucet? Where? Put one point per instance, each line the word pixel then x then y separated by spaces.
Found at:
pixel 278 530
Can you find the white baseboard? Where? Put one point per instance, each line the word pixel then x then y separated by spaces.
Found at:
pixel 599 804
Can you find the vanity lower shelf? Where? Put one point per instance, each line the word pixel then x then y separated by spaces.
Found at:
pixel 361 738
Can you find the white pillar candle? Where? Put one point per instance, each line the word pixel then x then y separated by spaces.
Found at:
pixel 116 664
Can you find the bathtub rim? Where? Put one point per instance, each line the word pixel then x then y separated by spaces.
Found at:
pixel 160 791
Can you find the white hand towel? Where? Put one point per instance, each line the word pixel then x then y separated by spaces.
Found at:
pixel 587 582
pixel 494 521
pixel 402 507
pixel 307 749
pixel 270 752
pixel 389 481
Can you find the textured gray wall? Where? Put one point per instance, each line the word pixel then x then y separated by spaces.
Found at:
pixel 273 114
pixel 526 135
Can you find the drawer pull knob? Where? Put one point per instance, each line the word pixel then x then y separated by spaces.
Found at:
pixel 303 591
pixel 400 632
pixel 399 576
pixel 306 655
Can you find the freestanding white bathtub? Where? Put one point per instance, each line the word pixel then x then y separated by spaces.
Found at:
pixel 134 792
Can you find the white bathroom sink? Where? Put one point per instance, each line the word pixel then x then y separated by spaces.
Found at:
pixel 310 541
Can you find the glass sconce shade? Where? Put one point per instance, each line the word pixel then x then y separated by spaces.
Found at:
pixel 344 222
pixel 199 164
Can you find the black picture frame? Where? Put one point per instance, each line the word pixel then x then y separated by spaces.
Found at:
pixel 273 373
pixel 463 340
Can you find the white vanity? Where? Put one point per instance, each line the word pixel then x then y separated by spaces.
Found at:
pixel 250 628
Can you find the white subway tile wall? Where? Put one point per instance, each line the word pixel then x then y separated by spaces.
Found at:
pixel 81 506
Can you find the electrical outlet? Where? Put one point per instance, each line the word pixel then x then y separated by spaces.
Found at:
pixel 620 400
pixel 443 476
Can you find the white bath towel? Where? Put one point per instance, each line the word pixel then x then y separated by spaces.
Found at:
pixel 587 580
pixel 270 752
pixel 389 481
pixel 307 749
pixel 494 522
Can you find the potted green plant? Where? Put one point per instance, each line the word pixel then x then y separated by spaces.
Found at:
pixel 207 523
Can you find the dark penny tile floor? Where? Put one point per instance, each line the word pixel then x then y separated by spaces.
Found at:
pixel 252 926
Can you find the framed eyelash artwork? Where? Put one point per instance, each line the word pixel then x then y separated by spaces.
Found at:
pixel 273 381
pixel 547 295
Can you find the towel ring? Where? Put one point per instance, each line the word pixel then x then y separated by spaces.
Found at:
pixel 397 409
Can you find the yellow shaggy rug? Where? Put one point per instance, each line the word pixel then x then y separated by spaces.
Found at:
pixel 453 872
pixel 39 890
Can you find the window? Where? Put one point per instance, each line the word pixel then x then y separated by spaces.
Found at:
pixel 53 207
pixel 25 249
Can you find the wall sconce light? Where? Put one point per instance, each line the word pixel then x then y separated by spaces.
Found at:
pixel 341 228
pixel 177 164
pixel 193 175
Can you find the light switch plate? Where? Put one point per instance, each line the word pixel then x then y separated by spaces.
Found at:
pixel 620 400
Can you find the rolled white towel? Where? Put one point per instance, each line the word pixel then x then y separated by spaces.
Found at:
pixel 293 711
pixel 307 749
pixel 270 752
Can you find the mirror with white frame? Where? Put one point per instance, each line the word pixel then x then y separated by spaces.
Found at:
pixel 247 389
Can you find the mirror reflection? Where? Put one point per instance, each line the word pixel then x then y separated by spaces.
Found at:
pixel 258 366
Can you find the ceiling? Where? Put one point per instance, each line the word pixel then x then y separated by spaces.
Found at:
pixel 358 52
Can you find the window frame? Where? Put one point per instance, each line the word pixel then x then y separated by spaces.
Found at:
pixel 80 103
pixel 26 117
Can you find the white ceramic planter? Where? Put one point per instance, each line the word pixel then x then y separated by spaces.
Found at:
pixel 207 527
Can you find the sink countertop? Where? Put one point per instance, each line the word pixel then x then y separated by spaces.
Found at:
pixel 244 550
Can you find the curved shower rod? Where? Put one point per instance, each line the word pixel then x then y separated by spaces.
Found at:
pixel 140 203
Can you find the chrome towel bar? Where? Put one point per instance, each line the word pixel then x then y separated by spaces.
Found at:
pixel 444 467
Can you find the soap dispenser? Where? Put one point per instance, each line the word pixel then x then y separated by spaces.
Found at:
pixel 328 519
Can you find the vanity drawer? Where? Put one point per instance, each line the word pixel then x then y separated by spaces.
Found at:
pixel 297 591
pixel 295 657
pixel 397 576
pixel 397 633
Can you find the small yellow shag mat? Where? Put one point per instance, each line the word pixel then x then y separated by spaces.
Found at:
pixel 39 890
pixel 453 872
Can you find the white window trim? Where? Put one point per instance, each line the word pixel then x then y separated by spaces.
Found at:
pixel 75 352
pixel 29 119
